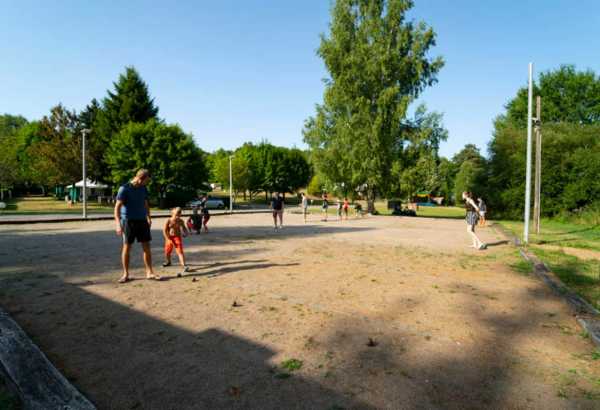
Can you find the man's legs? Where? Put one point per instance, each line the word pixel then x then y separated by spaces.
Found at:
pixel 148 261
pixel 280 213
pixel 125 261
pixel 275 219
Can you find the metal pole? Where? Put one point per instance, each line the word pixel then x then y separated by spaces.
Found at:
pixel 230 186
pixel 538 164
pixel 83 132
pixel 528 166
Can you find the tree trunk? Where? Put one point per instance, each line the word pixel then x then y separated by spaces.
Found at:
pixel 1 194
pixel 267 196
pixel 244 195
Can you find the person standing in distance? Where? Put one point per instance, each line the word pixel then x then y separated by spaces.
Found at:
pixel 472 217
pixel 133 221
pixel 277 207
pixel 304 206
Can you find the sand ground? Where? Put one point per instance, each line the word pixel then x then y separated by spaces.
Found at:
pixel 379 313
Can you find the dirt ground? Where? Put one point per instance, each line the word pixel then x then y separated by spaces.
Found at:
pixel 378 313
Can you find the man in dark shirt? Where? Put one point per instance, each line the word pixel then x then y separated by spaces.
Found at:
pixel 133 221
pixel 277 207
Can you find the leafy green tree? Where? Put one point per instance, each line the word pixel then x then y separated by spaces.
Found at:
pixel 10 174
pixel 568 163
pixel 567 95
pixel 174 160
pixel 378 64
pixel 446 173
pixel 470 152
pixel 54 151
pixel 316 185
pixel 129 102
pixel 470 178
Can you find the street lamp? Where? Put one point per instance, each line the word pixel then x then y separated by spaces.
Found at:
pixel 230 186
pixel 84 132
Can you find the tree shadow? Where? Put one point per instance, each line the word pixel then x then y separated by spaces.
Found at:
pixel 230 269
pixel 121 358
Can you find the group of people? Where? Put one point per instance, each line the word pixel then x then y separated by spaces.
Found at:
pixel 133 222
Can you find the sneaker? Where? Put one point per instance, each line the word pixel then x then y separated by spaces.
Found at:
pixel 166 264
pixel 482 247
pixel 186 269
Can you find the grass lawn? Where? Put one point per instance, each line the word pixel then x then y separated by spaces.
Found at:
pixel 45 205
pixel 571 251
pixel 50 205
pixel 560 234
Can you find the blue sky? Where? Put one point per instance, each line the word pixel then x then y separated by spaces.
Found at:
pixel 233 71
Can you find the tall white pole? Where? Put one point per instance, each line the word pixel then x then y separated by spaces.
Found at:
pixel 83 132
pixel 230 186
pixel 528 167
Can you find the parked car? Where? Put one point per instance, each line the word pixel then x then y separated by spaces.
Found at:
pixel 211 203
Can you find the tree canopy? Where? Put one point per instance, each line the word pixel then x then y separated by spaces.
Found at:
pixel 378 64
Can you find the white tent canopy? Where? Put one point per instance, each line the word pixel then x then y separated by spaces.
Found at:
pixel 89 184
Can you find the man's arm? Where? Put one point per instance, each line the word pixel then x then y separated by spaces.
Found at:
pixel 117 215
pixel 148 216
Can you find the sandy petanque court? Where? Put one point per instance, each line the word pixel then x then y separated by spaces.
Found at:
pixel 373 313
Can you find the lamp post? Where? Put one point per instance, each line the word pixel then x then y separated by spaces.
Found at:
pixel 230 186
pixel 84 132
pixel 528 165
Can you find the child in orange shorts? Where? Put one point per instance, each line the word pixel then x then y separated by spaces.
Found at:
pixel 173 232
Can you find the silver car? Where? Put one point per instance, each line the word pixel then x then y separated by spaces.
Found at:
pixel 211 203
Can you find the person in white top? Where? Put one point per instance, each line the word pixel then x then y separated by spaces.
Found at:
pixel 304 206
pixel 472 217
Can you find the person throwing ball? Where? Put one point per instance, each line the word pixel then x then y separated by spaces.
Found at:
pixel 133 221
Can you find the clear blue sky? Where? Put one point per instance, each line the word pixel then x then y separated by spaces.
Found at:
pixel 234 71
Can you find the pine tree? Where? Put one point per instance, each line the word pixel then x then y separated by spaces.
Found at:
pixel 129 102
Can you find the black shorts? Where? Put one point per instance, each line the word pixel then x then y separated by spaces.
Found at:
pixel 134 229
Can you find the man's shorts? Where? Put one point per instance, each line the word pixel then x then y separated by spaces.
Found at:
pixel 134 229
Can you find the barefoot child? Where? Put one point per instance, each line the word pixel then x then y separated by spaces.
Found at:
pixel 173 231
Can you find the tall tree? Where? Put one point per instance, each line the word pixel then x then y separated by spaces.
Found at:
pixel 129 102
pixel 378 64
pixel 55 150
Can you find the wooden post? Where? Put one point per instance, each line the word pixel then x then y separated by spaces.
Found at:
pixel 538 165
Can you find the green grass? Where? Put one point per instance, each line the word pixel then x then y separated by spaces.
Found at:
pixel 292 365
pixel 50 205
pixel 559 233
pixel 452 212
pixel 44 205
pixel 581 276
